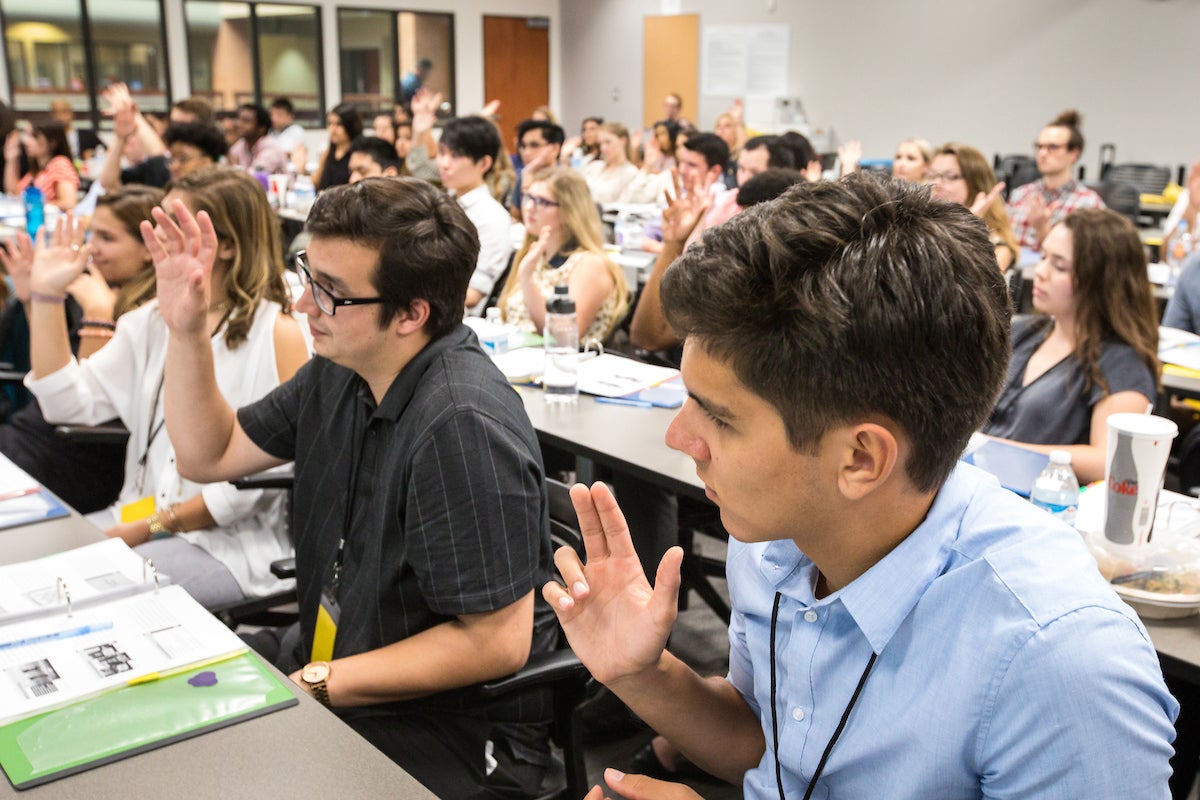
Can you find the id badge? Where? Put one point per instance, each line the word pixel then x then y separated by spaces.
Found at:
pixel 328 615
pixel 138 510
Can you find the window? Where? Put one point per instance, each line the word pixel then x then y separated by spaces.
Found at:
pixel 52 54
pixel 255 52
pixel 387 55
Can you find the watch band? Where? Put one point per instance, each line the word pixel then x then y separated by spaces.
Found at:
pixel 321 692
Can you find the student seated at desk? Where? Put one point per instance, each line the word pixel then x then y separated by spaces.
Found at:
pixel 50 165
pixel 419 511
pixel 961 174
pixel 902 626
pixel 119 278
pixel 215 541
pixel 1095 351
pixel 563 245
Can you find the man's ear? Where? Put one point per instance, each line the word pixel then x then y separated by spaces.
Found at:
pixel 391 172
pixel 870 456
pixel 412 319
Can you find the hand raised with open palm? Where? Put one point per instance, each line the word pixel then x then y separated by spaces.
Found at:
pixel 183 250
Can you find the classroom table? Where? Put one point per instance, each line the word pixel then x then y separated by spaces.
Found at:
pixel 626 438
pixel 302 751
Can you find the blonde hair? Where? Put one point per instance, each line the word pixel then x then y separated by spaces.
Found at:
pixel 501 178
pixel 580 228
pixel 621 132
pixel 242 218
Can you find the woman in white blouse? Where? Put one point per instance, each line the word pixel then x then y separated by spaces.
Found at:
pixel 215 541
pixel 613 178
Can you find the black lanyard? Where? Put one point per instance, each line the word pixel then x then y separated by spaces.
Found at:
pixel 812 783
pixel 351 488
pixel 152 432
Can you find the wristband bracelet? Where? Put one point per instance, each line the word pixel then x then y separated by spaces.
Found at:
pixel 98 323
pixel 39 297
pixel 174 518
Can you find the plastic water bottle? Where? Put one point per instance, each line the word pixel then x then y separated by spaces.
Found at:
pixel 560 377
pixel 305 193
pixel 35 210
pixel 1178 249
pixel 1057 490
pixel 493 335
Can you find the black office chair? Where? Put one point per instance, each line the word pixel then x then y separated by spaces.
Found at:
pixel 1147 178
pixel 1124 198
pixel 559 669
pixel 1015 170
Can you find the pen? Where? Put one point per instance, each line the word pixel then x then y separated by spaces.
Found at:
pixel 621 401
pixel 57 635
pixel 20 493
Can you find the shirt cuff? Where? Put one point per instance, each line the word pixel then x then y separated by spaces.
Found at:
pixel 54 382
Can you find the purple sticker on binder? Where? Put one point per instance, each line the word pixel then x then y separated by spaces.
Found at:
pixel 206 678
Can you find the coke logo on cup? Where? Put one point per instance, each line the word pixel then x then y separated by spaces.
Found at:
pixel 1125 487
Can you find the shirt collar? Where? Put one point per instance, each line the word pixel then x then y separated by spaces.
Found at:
pixel 882 597
pixel 474 196
pixel 398 395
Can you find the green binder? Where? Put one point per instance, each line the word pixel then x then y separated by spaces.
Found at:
pixel 137 718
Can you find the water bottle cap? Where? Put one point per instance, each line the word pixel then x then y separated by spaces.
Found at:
pixel 1060 457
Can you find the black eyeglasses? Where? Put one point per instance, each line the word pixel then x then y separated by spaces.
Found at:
pixel 326 300
pixel 540 203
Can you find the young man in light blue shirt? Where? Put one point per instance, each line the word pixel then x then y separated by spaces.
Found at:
pixel 902 626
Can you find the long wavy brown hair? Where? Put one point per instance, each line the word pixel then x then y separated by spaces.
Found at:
pixel 131 204
pixel 1113 298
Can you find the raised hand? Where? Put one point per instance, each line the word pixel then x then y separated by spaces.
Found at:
pixel 685 210
pixel 16 256
pixel 849 154
pixel 737 110
pixel 1193 186
pixel 12 146
pixel 425 104
pixel 183 250
pixel 615 622
pixel 490 109
pixel 59 257
pixel 535 253
pixel 569 147
pixel 813 172
pixel 984 201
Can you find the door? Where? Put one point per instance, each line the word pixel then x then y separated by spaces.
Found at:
pixel 516 68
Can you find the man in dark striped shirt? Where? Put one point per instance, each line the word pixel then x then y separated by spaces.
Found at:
pixel 419 514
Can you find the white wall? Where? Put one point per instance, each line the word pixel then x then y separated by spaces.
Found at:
pixel 986 73
pixel 468 41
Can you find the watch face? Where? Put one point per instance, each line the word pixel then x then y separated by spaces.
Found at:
pixel 315 673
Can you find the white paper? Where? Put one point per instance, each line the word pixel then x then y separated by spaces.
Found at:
pixel 740 60
pixel 107 569
pixel 52 662
pixel 615 376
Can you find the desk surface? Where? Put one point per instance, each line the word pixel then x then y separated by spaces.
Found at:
pixel 300 751
pixel 628 438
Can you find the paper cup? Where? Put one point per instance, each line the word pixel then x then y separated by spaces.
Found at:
pixel 279 187
pixel 1138 447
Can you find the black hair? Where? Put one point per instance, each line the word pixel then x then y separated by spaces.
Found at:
pixel 850 300
pixel 378 150
pixel 262 118
pixel 554 133
pixel 427 245
pixel 778 153
pixel 473 137
pixel 285 104
pixel 767 185
pixel 350 118
pixel 206 137
pixel 712 147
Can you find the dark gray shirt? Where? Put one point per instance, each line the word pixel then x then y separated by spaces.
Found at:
pixel 1183 309
pixel 439 489
pixel 1056 408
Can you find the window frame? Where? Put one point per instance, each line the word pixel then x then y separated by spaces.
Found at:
pixel 93 114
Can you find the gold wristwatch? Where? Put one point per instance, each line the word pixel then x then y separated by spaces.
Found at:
pixel 314 676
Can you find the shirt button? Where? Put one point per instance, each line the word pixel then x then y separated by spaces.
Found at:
pixel 797 714
pixel 810 616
